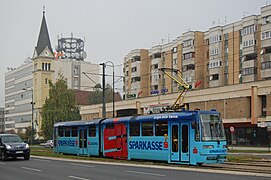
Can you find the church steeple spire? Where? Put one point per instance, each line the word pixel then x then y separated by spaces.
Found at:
pixel 44 39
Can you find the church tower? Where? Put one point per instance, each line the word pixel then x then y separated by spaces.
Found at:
pixel 43 71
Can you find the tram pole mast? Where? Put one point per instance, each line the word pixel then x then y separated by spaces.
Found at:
pixel 103 87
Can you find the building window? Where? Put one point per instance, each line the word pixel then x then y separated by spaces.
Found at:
pixel 135 79
pixel 215 64
pixel 49 66
pixel 249 71
pixel 188 43
pixel 248 43
pixel 188 55
pixel 174 61
pixel 264 106
pixel 157 55
pixel 214 52
pixel 134 69
pixel 76 70
pixel 214 77
pixel 174 50
pixel 43 68
pixel 266 20
pixel 136 58
pixel 155 66
pixel 226 80
pixel 214 39
pixel 266 65
pixel 46 81
pixel 266 35
pixel 248 30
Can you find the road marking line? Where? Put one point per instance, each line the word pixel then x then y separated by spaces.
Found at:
pixel 43 160
pixel 32 169
pixel 74 177
pixel 81 165
pixel 152 174
pixel 2 163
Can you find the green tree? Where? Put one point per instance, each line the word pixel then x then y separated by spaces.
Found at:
pixel 96 96
pixel 59 107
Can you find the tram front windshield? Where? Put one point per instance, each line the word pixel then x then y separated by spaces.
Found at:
pixel 212 127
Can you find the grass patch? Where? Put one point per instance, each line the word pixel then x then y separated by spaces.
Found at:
pixel 243 158
pixel 248 151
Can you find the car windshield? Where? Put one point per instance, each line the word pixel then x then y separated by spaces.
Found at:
pixel 11 139
pixel 212 127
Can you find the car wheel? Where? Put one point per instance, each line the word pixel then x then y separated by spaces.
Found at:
pixel 3 156
pixel 26 157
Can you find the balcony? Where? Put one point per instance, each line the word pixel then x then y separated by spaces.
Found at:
pixel 249 63
pixel 188 49
pixel 266 57
pixel 188 61
pixel 249 78
pixel 249 50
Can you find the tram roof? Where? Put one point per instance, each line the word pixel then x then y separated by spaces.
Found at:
pixel 187 115
pixel 77 123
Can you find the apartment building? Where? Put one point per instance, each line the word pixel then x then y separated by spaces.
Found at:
pixel 235 53
pixel 2 120
pixel 229 69
pixel 29 83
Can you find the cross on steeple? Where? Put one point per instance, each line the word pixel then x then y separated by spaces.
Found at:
pixel 44 39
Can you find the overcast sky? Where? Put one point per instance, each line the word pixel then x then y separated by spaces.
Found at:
pixel 111 28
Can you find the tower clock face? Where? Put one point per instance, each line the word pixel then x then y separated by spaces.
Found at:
pixel 46 53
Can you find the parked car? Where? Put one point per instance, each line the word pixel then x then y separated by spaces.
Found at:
pixel 49 144
pixel 11 145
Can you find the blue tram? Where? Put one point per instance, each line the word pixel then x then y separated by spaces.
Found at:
pixel 186 137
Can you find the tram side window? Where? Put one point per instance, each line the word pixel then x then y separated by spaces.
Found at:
pixel 147 129
pixel 60 131
pixel 197 138
pixel 92 131
pixel 67 132
pixel 161 128
pixel 74 132
pixel 134 129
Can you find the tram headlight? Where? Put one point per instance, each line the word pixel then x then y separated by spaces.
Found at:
pixel 208 146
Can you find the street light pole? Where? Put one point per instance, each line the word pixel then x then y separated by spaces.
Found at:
pixel 103 86
pixel 32 110
pixel 113 100
pixel 32 127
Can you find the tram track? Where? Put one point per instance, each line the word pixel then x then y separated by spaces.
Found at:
pixel 245 166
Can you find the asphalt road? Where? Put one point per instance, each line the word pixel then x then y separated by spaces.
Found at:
pixel 41 169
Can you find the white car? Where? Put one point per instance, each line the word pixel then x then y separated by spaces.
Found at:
pixel 49 144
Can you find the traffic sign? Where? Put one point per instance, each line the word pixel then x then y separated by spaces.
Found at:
pixel 232 129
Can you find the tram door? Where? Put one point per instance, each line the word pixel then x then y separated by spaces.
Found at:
pixel 83 135
pixel 184 142
pixel 175 153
